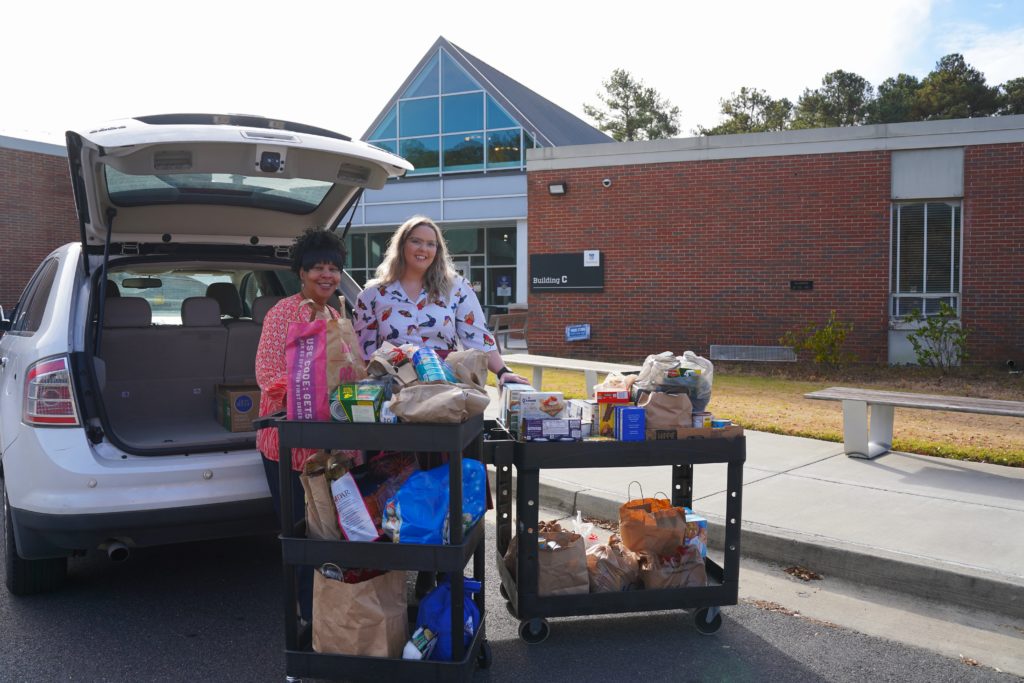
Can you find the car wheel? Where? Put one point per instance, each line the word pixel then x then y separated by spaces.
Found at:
pixel 28 577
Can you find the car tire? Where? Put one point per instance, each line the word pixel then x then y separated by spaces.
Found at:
pixel 28 577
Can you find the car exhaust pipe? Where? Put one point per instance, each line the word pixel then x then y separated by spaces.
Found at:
pixel 116 550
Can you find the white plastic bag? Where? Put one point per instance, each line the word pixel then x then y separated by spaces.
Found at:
pixel 584 529
pixel 701 393
pixel 655 370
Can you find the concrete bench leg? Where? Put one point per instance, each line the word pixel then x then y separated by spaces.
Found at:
pixel 858 440
pixel 538 377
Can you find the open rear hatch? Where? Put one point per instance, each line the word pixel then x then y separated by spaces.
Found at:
pixel 204 182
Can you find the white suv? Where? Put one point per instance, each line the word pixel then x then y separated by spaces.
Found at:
pixel 110 360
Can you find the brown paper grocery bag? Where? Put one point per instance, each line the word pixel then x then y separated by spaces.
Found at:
pixel 369 618
pixel 666 411
pixel 321 517
pixel 561 570
pixel 470 367
pixel 652 526
pixel 611 567
pixel 344 364
pixel 439 402
pixel 683 569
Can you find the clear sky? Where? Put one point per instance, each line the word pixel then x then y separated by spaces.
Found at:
pixel 336 64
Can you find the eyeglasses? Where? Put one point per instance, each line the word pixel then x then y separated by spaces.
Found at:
pixel 417 242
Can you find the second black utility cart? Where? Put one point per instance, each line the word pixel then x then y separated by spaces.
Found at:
pixel 454 439
pixel 529 459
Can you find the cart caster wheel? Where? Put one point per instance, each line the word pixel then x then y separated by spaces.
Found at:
pixel 534 631
pixel 292 679
pixel 504 593
pixel 511 609
pixel 707 620
pixel 484 657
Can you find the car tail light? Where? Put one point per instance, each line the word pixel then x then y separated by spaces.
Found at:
pixel 49 399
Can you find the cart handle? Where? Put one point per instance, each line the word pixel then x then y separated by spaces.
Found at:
pixel 268 420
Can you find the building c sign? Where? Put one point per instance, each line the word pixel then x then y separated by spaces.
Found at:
pixel 577 272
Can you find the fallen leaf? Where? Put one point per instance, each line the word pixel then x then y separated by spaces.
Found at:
pixel 802 573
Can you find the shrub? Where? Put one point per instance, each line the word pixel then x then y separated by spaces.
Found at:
pixel 825 343
pixel 941 342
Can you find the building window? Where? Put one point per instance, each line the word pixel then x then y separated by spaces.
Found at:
pixel 926 248
pixel 487 255
pixel 445 122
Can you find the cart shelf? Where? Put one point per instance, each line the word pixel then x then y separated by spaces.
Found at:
pixel 297 550
pixel 529 459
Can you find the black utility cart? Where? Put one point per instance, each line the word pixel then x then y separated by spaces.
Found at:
pixel 529 459
pixel 454 439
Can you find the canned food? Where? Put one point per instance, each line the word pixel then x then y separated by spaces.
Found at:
pixel 720 423
pixel 429 366
pixel 702 420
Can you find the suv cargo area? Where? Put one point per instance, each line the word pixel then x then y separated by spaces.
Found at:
pixel 171 334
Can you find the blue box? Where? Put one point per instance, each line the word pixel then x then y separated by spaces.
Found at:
pixel 630 423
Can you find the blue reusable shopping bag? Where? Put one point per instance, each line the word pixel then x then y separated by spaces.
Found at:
pixel 436 614
pixel 418 513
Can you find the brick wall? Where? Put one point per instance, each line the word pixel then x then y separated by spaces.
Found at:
pixel 37 214
pixel 993 268
pixel 700 253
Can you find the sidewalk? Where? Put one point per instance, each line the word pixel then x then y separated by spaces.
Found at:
pixel 935 528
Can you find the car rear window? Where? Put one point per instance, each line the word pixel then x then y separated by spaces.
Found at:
pixel 290 195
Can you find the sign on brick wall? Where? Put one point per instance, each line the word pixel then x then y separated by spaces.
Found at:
pixel 566 272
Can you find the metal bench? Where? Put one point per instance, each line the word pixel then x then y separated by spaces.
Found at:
pixel 504 324
pixel 587 367
pixel 869 439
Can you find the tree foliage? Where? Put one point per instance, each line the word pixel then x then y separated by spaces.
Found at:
pixel 632 110
pixel 751 111
pixel 953 89
pixel 895 100
pixel 1012 95
pixel 842 100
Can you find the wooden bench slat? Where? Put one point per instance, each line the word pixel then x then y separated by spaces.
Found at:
pixel 962 404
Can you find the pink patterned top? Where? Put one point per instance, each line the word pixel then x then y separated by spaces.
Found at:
pixel 271 371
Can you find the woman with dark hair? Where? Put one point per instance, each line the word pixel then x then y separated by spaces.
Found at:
pixel 419 298
pixel 317 258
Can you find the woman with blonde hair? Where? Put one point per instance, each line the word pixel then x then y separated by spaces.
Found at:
pixel 417 297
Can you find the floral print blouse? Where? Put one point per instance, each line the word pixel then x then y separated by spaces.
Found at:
pixel 386 313
pixel 272 369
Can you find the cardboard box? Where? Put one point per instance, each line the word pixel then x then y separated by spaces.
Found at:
pixel 607 402
pixel 237 406
pixel 508 413
pixel 629 423
pixel 730 432
pixel 697 531
pixel 357 402
pixel 540 405
pixel 545 429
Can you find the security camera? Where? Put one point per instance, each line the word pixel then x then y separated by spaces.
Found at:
pixel 607 182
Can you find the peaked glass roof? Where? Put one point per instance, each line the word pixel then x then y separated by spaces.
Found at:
pixel 446 122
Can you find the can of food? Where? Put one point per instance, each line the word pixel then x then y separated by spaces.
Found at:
pixel 702 420
pixel 429 366
pixel 717 423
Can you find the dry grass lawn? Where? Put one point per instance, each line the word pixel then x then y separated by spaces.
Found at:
pixel 771 399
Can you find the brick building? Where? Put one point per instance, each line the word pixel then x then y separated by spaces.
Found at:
pixel 739 239
pixel 717 240
pixel 37 210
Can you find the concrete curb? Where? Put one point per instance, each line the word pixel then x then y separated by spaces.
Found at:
pixel 919 577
